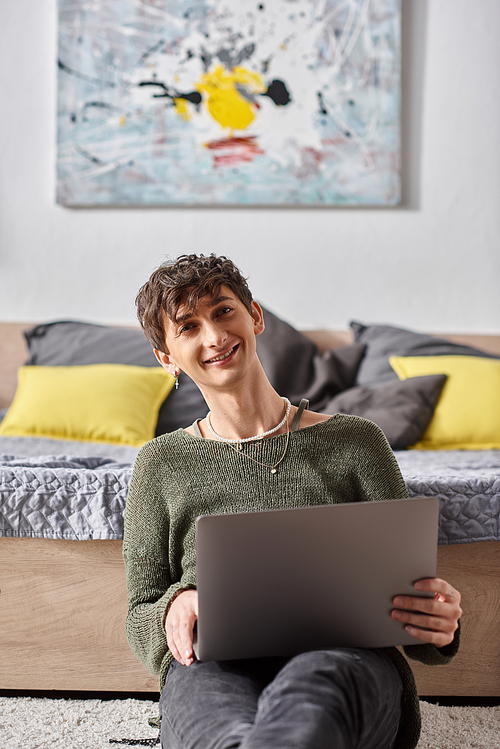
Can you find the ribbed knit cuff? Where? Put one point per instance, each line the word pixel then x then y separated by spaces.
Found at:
pixel 433 656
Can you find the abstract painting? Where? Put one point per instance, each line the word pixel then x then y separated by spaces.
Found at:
pixel 228 102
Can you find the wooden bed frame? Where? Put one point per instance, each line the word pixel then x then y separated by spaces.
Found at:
pixel 63 603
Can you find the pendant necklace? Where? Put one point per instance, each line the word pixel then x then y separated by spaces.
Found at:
pixel 266 465
pixel 237 444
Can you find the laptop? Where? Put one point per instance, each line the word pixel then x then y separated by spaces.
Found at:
pixel 280 582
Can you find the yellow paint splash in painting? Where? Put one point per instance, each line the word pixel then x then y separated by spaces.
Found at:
pixel 225 103
pixel 181 108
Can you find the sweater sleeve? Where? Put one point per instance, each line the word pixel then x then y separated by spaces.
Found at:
pixel 430 655
pixel 378 475
pixel 150 589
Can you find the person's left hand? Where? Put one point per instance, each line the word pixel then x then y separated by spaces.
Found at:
pixel 433 620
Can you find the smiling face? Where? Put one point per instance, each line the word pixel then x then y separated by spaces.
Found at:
pixel 213 343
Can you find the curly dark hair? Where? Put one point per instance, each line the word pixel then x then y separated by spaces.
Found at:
pixel 185 281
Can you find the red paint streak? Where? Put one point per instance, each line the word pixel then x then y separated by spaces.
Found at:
pixel 231 151
pixel 313 155
pixel 340 140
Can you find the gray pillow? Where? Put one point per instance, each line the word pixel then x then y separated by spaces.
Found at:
pixel 297 370
pixel 383 341
pixel 403 409
pixel 67 343
pixel 286 355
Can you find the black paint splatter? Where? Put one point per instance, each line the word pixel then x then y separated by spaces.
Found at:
pixel 322 107
pixel 278 92
pixel 100 105
pixel 193 96
pixel 88 155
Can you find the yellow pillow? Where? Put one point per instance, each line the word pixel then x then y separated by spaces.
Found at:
pixel 467 415
pixel 114 403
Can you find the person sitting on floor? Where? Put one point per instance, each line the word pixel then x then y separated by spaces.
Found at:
pixel 200 317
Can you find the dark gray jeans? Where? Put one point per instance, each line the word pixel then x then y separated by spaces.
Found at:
pixel 323 699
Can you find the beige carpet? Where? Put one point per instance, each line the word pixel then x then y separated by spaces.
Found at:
pixel 41 723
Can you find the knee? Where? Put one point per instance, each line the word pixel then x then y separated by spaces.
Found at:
pixel 343 672
pixel 332 662
pixel 316 672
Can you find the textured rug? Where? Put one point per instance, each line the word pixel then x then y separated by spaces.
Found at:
pixel 43 723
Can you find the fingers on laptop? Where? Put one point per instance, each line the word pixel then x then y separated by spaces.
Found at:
pixel 179 625
pixel 433 620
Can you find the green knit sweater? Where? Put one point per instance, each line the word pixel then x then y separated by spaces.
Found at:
pixel 178 477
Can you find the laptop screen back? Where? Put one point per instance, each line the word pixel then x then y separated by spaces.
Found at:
pixel 280 582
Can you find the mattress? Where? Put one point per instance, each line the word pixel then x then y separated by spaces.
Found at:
pixel 63 490
pixel 77 491
pixel 467 484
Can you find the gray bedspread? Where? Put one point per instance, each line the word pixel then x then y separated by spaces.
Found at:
pixel 467 484
pixel 61 489
pixel 77 491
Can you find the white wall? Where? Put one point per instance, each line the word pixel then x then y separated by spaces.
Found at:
pixel 433 263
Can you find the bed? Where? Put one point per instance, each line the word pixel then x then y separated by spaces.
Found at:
pixel 63 491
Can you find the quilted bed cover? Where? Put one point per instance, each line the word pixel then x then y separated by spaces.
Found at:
pixel 77 491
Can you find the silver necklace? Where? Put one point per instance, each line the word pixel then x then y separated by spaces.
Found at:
pixel 272 466
pixel 260 436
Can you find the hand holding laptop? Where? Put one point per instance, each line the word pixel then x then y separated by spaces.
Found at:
pixel 179 626
pixel 432 620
